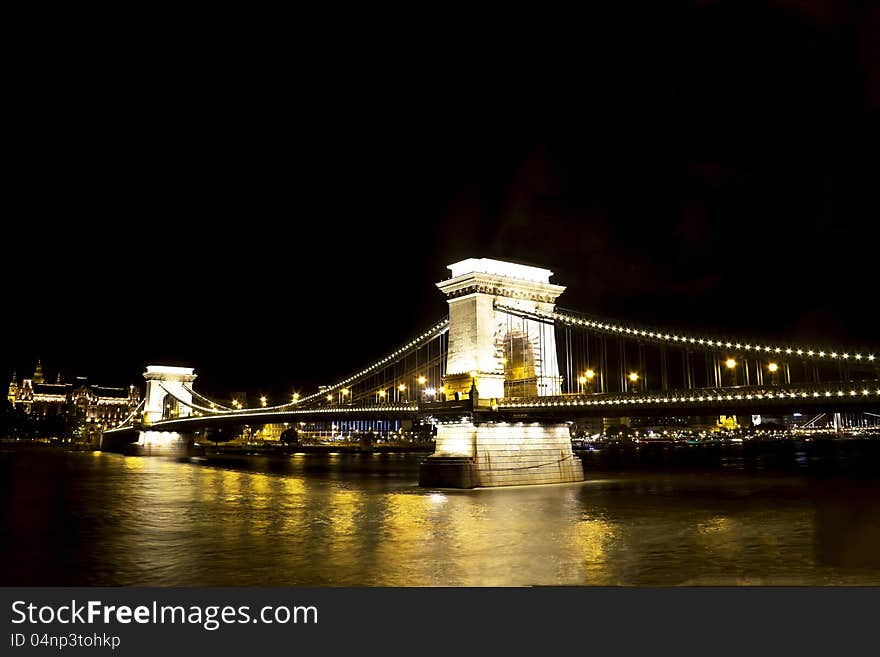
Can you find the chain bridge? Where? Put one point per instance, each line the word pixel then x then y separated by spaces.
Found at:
pixel 505 374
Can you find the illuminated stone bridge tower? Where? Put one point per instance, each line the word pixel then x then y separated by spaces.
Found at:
pixel 165 385
pixel 169 391
pixel 500 355
pixel 505 355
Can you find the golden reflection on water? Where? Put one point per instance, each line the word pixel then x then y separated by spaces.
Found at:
pixel 134 463
pixel 495 538
pixel 406 519
pixel 720 535
pixel 341 511
pixel 589 542
pixel 410 536
pixel 260 485
pixel 346 521
pixel 407 533
pixel 293 504
pixel 292 486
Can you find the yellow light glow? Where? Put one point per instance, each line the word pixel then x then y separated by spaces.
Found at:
pixel 344 392
pixel 773 367
pixel 589 374
pixel 582 380
pixel 401 387
pixel 422 380
pixel 473 373
pixel 329 397
pixel 730 363
pixel 381 393
pixel 442 389
pixel 633 377
pixel 263 401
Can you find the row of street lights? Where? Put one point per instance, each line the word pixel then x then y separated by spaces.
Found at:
pixel 586 379
pixel 345 392
pixel 585 382
pixel 731 364
pixel 264 401
pixel 382 394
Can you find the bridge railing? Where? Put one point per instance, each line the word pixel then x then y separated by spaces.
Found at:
pixel 869 390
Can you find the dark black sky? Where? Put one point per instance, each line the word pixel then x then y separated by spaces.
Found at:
pixel 276 225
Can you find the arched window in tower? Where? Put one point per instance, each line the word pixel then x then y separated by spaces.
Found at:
pixel 170 408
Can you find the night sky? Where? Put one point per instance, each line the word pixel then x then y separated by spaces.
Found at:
pixel 278 227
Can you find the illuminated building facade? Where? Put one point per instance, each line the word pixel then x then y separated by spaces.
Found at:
pixel 101 406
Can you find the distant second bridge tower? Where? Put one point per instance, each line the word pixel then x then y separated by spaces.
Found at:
pixel 166 386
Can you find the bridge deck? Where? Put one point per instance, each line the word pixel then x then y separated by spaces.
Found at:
pixel 854 396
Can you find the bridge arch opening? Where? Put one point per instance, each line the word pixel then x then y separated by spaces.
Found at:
pixel 170 408
pixel 520 372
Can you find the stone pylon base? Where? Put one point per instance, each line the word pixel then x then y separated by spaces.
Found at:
pixel 501 454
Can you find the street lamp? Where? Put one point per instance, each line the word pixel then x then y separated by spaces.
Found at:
pixel 633 378
pixel 731 367
pixel 295 397
pixel 586 381
pixel 773 368
pixel 381 395
pixel 343 394
pixel 263 401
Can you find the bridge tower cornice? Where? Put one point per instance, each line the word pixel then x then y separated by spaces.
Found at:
pixel 499 286
pixel 169 373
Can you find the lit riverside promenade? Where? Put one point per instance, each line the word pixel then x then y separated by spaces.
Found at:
pixel 507 371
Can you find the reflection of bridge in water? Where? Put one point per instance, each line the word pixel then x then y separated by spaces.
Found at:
pixel 506 373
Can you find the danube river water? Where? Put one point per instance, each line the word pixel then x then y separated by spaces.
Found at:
pixel 79 518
